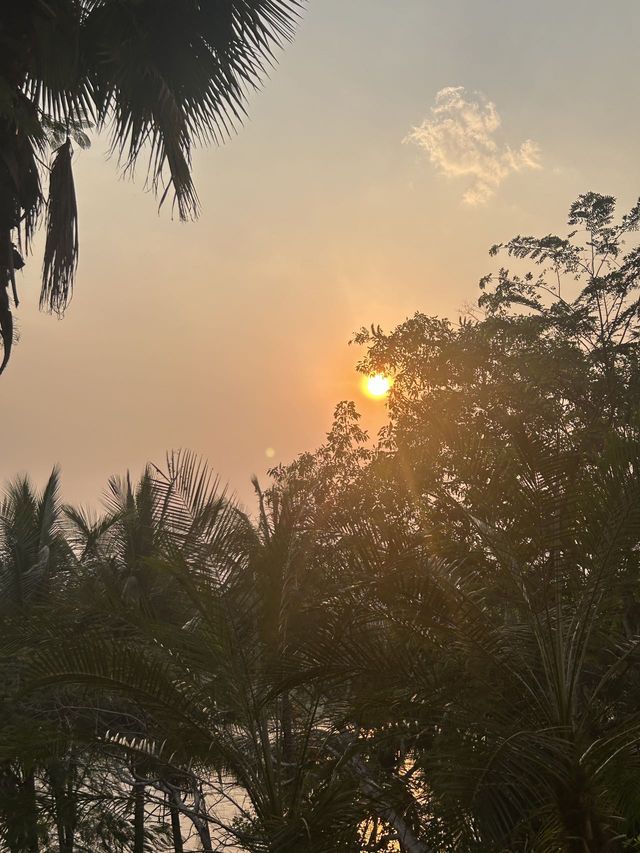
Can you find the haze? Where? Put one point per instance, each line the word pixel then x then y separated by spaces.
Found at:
pixel 229 335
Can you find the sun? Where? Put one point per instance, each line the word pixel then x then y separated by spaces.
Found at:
pixel 377 386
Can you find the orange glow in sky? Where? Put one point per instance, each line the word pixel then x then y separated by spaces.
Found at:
pixel 351 223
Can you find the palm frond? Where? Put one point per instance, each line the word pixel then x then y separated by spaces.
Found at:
pixel 61 246
pixel 185 82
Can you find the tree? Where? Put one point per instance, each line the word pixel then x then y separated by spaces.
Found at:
pixel 513 439
pixel 488 553
pixel 551 360
pixel 429 644
pixel 160 75
pixel 32 557
pixel 63 775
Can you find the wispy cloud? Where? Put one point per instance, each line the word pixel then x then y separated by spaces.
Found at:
pixel 460 138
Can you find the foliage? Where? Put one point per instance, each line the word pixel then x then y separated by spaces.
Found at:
pixel 426 644
pixel 159 75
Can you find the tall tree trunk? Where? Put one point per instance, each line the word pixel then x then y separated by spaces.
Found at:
pixel 58 798
pixel 386 811
pixel 31 828
pixel 176 829
pixel 71 818
pixel 62 843
pixel 201 823
pixel 61 782
pixel 138 817
pixel 286 721
pixel 582 822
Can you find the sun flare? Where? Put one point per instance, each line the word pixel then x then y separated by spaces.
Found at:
pixel 377 386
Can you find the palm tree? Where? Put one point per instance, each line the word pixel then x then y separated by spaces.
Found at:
pixel 208 616
pixel 54 781
pixel 121 555
pixel 33 557
pixel 131 557
pixel 160 76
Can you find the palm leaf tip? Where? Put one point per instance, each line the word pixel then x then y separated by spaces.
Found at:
pixel 6 333
pixel 61 246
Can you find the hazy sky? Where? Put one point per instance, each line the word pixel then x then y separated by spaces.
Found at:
pixel 355 193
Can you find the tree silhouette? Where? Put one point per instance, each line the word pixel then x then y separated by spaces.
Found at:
pixel 159 75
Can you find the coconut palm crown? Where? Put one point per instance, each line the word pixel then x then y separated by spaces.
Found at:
pixel 159 75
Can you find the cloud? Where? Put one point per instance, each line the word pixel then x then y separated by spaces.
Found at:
pixel 459 137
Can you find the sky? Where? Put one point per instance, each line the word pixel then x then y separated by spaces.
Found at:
pixel 393 144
